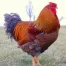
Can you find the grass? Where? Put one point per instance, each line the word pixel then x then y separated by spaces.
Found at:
pixel 10 55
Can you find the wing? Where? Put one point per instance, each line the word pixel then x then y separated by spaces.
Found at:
pixel 32 30
pixel 44 40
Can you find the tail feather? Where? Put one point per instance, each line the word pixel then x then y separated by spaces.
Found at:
pixel 10 22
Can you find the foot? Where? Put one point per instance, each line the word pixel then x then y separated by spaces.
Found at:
pixel 65 56
pixel 38 64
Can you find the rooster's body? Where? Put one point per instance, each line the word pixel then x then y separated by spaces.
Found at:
pixel 34 37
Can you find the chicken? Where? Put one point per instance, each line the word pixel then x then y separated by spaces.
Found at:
pixel 34 37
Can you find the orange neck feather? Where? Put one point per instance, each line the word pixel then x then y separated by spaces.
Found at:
pixel 46 21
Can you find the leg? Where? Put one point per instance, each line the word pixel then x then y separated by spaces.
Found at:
pixel 33 61
pixel 37 61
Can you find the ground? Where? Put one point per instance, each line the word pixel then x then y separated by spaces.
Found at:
pixel 10 55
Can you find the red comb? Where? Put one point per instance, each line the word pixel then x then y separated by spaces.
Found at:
pixel 53 4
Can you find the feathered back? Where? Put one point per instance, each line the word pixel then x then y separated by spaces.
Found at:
pixel 10 22
pixel 47 21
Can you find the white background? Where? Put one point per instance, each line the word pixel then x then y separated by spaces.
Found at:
pixel 19 6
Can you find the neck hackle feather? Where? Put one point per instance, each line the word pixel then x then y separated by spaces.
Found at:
pixel 47 20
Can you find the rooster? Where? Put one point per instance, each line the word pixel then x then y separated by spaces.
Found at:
pixel 34 37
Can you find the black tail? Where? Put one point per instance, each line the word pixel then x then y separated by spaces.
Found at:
pixel 10 22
